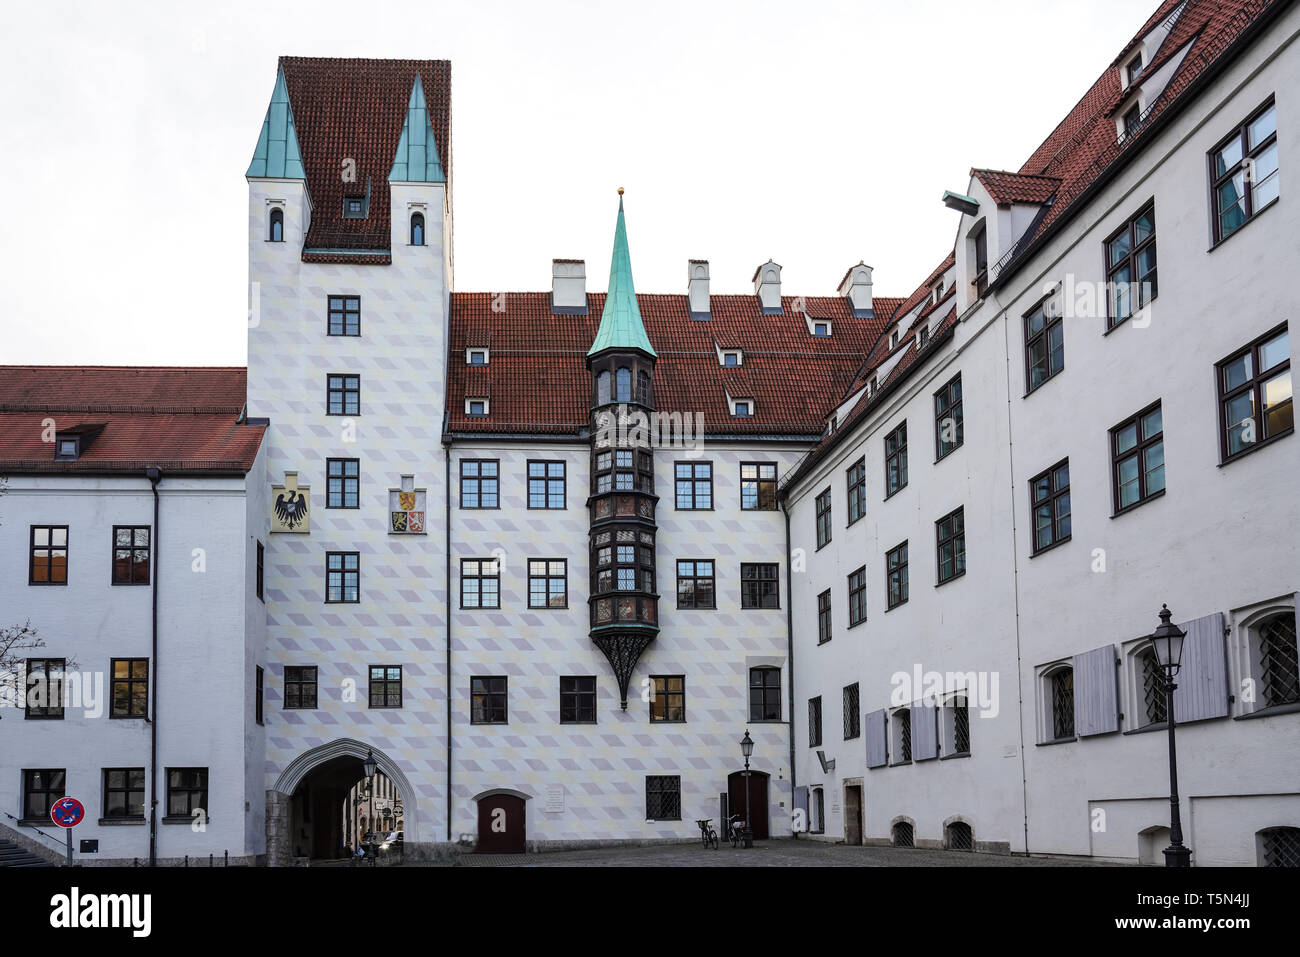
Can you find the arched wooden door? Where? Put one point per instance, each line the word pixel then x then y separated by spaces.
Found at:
pixel 501 824
pixel 757 799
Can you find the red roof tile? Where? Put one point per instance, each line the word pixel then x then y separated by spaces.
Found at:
pixel 1009 188
pixel 177 418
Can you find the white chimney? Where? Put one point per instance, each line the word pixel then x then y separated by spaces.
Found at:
pixel 767 286
pixel 856 288
pixel 568 287
pixel 697 287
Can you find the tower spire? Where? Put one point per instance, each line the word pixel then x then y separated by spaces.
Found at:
pixel 620 322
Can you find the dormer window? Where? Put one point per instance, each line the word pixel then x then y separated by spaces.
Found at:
pixel 67 449
pixel 275 227
pixel 731 359
pixel 476 357
pixel 936 293
pixel 743 409
pixel 979 245
pixel 872 385
pixel 354 207
pixel 71 442
pixel 1134 68
pixel 476 407
pixel 821 329
pixel 834 424
pixel 923 336
pixel 1132 118
pixel 893 338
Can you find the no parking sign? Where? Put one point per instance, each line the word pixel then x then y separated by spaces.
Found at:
pixel 67 812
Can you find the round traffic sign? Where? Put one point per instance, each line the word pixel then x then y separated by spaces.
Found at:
pixel 67 812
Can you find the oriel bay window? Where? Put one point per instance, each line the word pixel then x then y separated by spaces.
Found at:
pixel 695 584
pixel 623 568
pixel 1255 394
pixel 130 693
pixel 1131 266
pixel 130 554
pixel 668 698
pixel 1138 458
pixel 757 486
pixel 759 586
pixel 1243 172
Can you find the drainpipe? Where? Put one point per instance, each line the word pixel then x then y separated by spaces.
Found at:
pixel 789 643
pixel 446 508
pixel 154 475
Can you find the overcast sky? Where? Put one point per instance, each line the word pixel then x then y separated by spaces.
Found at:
pixel 814 133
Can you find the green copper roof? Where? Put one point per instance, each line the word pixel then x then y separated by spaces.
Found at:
pixel 277 152
pixel 620 324
pixel 417 153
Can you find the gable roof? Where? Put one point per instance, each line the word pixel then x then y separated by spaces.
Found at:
pixel 1007 189
pixel 181 419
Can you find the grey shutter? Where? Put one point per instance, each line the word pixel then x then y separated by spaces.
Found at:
pixel 801 804
pixel 1096 692
pixel 925 731
pixel 873 729
pixel 1202 680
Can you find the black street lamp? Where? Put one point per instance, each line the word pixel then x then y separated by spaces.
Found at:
pixel 1167 642
pixel 368 765
pixel 747 748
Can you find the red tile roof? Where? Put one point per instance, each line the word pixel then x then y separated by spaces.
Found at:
pixel 538 380
pixel 1008 188
pixel 177 418
pixel 355 108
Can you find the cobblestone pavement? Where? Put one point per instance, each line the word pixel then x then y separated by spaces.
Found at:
pixel 780 853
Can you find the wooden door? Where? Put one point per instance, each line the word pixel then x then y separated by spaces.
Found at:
pixel 853 814
pixel 758 810
pixel 501 822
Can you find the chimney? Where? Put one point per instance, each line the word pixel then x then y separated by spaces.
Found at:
pixel 767 286
pixel 697 288
pixel 568 287
pixel 856 288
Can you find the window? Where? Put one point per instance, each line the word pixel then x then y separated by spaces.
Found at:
pixel 488 697
pixel 823 518
pixel 757 486
pixel 548 583
pixel 980 244
pixel 1044 343
pixel 695 585
pixel 1060 686
pixel 1153 688
pixel 759 587
pixel 480 583
pixel 385 686
pixel 299 687
pixel 852 719
pixel 949 431
pixel 261 571
pixel 343 395
pixel 342 577
pixel 858 596
pixel 903 834
pixel 950 534
pixel 345 315
pixel 896 460
pixel 824 617
pixel 124 793
pixel 765 694
pixel 275 231
pixel 476 408
pixel 821 329
pixel 667 698
pixel 41 788
pixel 187 791
pixel 44 688
pixel 1255 395
pixel 68 449
pixel 476 357
pixel 731 359
pixel 893 338
pixel 546 484
pixel 1279 847
pixel 744 408
pixel 259 688
pixel 955 726
pixel 343 483
pixel 1049 498
pixel 49 561
pixel 354 207
pixel 602 388
pixel 479 483
pixel 578 700
pixel 1138 458
pixel 663 797
pixel 694 485
pixel 815 722
pixel 896 570
pixel 623 384
pixel 1279 660
pixel 1244 173
pixel 130 692
pixel 1131 266
pixel 1134 68
pixel 856 477
pixel 902 738
pixel 960 837
pixel 417 229
pixel 1132 119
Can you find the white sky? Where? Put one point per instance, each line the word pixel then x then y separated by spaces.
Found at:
pixel 815 133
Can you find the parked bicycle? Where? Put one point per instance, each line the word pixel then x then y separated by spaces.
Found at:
pixel 735 830
pixel 708 834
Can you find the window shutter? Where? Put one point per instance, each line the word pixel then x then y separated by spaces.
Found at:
pixel 1202 680
pixel 873 729
pixel 925 731
pixel 1096 692
pixel 801 804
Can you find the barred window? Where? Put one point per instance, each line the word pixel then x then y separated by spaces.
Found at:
pixel 902 722
pixel 960 837
pixel 663 797
pixel 1279 660
pixel 1153 688
pixel 852 718
pixel 903 836
pixel 1061 688
pixel 815 722
pixel 1280 847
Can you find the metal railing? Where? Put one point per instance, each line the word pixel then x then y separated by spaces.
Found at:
pixel 28 827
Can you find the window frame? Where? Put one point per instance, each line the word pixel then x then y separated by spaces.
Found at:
pixel 53 791
pixel 1044 336
pixel 1138 451
pixel 855 481
pixel 851 708
pixel 578 695
pixel 758 481
pixel 825 622
pixel 343 311
pixel 663 787
pixel 547 480
pixel 1054 495
pixel 668 694
pixel 856 583
pixel 131 680
pixel 388 682
pixel 50 548
pixel 1252 385
pixel 480 577
pixel 133 548
pixel 896 570
pixel 815 737
pixel 260 580
pixel 822 505
pixel 695 578
pixel 489 703
pixel 693 480
pixel 1242 135
pixel 896 459
pixel 956 536
pixel 274 219
pixel 758 579
pixel 1130 262
pixel 344 477
pixel 301 677
pixel 947 413
pixel 343 392
pixel 47 711
pixel 417 214
pixel 342 571
pixel 190 792
pixel 548 577
pixel 478 478
pixel 766 671
pixel 107 790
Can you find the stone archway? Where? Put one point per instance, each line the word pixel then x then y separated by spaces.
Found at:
pixel 280 837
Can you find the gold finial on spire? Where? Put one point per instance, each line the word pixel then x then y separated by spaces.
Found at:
pixel 620 191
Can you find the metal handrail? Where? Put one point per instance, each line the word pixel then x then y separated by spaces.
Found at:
pixel 29 827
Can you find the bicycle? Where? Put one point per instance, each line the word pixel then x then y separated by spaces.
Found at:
pixel 735 830
pixel 708 834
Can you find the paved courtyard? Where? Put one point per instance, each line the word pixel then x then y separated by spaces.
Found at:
pixel 782 853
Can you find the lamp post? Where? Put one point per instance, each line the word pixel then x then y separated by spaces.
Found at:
pixel 1167 642
pixel 746 749
pixel 368 765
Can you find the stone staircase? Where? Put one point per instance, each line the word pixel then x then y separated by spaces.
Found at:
pixel 11 855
